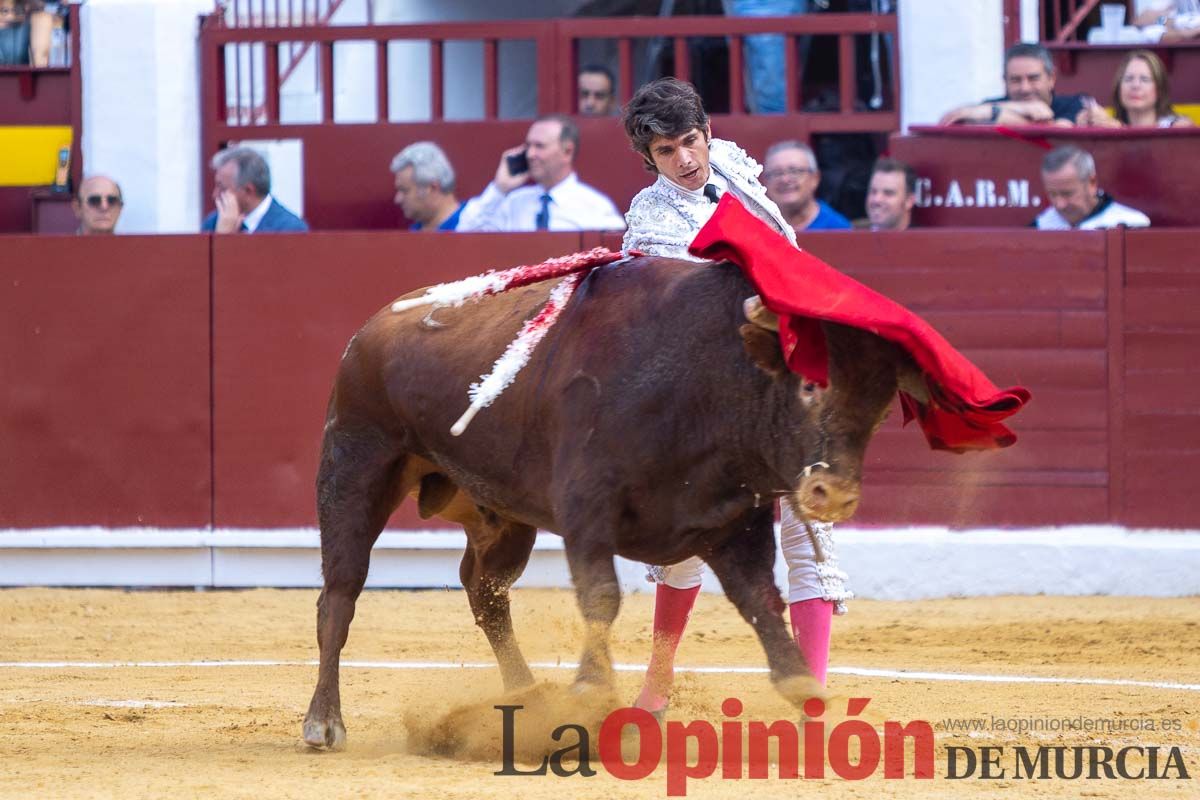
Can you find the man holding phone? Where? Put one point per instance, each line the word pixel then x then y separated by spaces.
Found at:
pixel 556 200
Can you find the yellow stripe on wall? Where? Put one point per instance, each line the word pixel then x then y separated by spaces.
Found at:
pixel 29 153
pixel 1191 110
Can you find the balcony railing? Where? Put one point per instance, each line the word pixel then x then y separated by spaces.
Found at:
pixel 246 66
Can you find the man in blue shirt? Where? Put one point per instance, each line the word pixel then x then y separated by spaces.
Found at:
pixel 791 176
pixel 425 188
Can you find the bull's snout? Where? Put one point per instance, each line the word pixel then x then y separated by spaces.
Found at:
pixel 825 497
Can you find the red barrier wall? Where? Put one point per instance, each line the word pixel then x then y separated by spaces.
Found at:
pixel 1160 436
pixel 109 347
pixel 104 358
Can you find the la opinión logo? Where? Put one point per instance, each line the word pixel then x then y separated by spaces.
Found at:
pixel 730 746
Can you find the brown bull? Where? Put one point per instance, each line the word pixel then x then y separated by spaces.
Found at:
pixel 651 423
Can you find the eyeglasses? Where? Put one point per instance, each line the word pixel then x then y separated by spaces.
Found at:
pixel 98 200
pixel 788 172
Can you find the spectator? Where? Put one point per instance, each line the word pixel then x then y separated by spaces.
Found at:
pixel 242 194
pixel 765 53
pixel 1077 202
pixel 891 195
pixel 597 91
pixel 557 200
pixel 25 31
pixel 425 187
pixel 1171 20
pixel 97 205
pixel 791 176
pixel 1030 99
pixel 1141 97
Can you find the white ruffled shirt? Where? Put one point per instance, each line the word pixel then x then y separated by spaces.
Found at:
pixel 664 218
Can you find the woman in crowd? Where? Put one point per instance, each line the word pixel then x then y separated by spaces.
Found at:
pixel 1140 97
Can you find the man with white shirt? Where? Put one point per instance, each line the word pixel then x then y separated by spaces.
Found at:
pixel 242 195
pixel 667 125
pixel 1076 200
pixel 556 200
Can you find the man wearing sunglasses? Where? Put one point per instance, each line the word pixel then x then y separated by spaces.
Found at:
pixel 98 205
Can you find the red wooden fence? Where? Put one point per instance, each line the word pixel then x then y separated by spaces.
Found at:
pixel 182 381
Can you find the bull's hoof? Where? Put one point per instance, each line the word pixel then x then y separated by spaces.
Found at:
pixel 798 688
pixel 325 734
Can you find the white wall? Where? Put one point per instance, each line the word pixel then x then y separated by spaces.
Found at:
pixel 951 53
pixel 141 117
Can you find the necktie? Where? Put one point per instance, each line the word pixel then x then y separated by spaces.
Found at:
pixel 710 191
pixel 543 217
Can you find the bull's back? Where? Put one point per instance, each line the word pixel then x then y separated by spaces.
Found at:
pixel 629 344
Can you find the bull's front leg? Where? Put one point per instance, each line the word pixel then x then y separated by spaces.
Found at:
pixel 744 562
pixel 599 596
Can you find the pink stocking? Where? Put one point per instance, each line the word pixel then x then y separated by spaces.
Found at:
pixel 672 607
pixel 811 623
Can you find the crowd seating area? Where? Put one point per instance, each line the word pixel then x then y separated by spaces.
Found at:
pixel 277 71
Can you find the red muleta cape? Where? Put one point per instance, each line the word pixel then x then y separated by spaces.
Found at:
pixel 965 408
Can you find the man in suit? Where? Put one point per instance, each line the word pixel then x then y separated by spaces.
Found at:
pixel 242 194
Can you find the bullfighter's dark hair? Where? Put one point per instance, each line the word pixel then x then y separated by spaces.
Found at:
pixel 892 165
pixel 666 107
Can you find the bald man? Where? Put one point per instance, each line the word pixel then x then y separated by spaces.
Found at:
pixel 97 205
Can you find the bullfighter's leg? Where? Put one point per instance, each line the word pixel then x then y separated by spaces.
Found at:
pixel 673 601
pixel 356 492
pixel 816 587
pixel 599 596
pixel 744 563
pixel 496 555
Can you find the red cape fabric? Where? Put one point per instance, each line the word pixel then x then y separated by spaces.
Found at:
pixel 965 408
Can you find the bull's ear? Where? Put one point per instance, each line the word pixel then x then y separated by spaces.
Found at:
pixel 763 348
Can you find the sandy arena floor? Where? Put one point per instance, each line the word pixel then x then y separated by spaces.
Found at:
pixel 191 730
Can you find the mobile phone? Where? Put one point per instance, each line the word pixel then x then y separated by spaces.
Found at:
pixel 517 164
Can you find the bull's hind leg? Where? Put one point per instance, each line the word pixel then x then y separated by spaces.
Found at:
pixel 745 562
pixel 496 555
pixel 356 492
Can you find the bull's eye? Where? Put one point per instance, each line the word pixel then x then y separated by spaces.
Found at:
pixel 810 393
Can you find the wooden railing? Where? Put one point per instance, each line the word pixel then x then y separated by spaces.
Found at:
pixel 263 49
pixel 244 14
pixel 1060 19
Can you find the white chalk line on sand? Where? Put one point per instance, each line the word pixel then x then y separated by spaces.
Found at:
pixel 861 672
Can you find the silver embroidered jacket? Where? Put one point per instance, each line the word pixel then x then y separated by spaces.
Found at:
pixel 663 221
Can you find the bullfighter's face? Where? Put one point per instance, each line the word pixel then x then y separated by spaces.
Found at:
pixel 683 160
